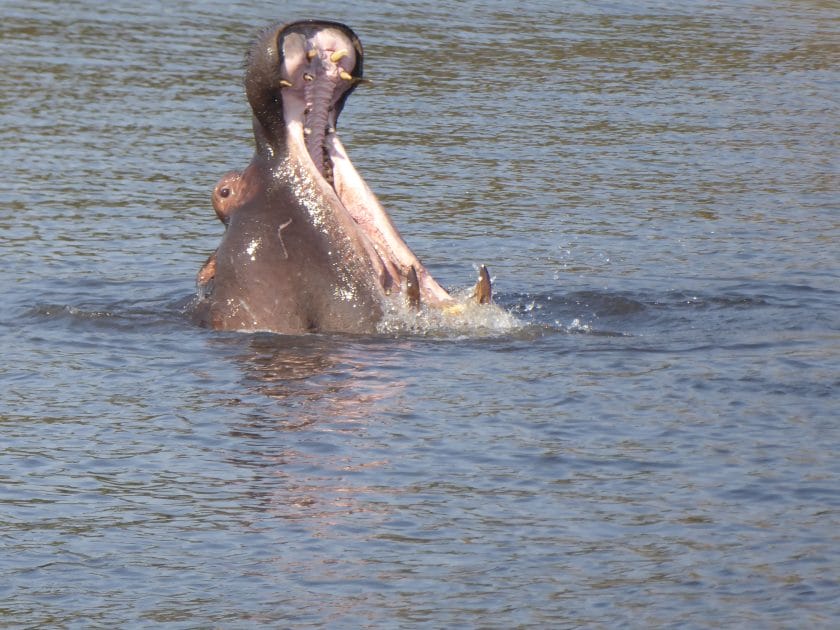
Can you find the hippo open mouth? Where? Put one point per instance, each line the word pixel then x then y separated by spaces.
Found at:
pixel 307 246
pixel 320 63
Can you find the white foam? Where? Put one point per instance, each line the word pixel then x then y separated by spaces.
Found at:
pixel 464 318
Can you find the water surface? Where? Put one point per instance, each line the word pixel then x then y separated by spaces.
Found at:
pixel 651 442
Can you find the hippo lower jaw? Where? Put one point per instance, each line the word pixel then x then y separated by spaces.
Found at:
pixel 316 77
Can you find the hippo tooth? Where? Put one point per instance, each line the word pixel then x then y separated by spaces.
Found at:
pixel 412 288
pixel 284 83
pixel 345 75
pixel 308 77
pixel 483 291
pixel 338 55
pixel 311 54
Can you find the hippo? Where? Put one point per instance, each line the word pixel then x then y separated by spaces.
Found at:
pixel 307 246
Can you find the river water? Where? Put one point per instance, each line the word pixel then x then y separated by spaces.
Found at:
pixel 644 435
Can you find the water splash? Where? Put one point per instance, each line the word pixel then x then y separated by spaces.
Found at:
pixel 465 318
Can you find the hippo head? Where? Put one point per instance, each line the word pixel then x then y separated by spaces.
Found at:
pixel 308 247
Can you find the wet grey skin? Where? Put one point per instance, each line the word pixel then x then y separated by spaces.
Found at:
pixel 307 246
pixel 291 259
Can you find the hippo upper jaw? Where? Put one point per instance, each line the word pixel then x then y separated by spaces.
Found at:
pixel 299 77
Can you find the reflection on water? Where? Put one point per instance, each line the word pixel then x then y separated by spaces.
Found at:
pixel 642 431
pixel 320 377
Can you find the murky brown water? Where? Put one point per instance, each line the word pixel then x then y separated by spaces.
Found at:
pixel 655 189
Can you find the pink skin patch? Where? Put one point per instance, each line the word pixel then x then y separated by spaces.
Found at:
pixel 317 70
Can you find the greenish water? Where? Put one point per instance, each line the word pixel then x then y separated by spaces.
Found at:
pixel 655 190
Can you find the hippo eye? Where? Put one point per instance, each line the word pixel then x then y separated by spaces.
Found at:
pixel 224 193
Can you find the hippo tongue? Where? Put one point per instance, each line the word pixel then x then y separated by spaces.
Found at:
pixel 317 68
